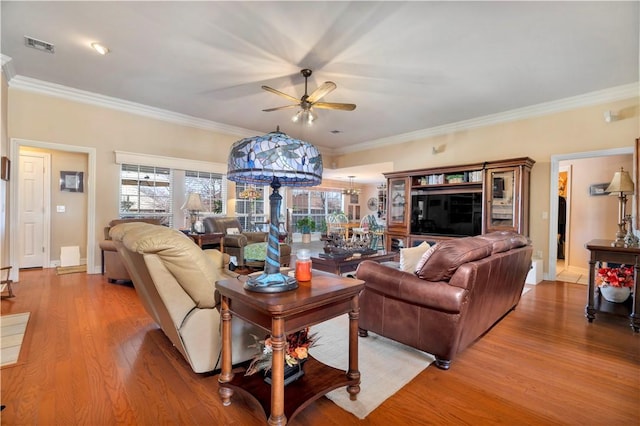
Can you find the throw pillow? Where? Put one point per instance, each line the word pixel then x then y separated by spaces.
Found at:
pixel 450 254
pixel 233 231
pixel 409 257
pixel 425 258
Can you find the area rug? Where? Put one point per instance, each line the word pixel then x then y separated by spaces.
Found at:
pixel 385 366
pixel 12 329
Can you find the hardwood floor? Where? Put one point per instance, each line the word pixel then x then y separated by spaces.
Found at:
pixel 92 356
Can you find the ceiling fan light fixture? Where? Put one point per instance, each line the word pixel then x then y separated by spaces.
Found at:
pixel 305 116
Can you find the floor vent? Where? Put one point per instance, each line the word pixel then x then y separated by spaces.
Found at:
pixel 39 44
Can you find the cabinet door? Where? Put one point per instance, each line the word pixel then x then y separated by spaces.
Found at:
pixel 395 242
pixel 397 201
pixel 502 197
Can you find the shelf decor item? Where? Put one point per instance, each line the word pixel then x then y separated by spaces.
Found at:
pixel 296 354
pixel 615 283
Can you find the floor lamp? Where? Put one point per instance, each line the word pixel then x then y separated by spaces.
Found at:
pixel 277 160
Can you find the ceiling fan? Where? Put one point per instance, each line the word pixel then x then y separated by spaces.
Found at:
pixel 307 102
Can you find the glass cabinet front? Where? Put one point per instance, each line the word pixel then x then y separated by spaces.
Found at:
pixel 397 202
pixel 502 206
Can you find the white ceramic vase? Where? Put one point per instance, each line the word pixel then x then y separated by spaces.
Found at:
pixel 615 294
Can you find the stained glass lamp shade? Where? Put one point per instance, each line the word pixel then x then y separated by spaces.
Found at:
pixel 277 160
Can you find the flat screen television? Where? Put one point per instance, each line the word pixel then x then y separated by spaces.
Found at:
pixel 446 214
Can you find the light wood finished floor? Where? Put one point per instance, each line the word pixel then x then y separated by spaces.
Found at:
pixel 92 356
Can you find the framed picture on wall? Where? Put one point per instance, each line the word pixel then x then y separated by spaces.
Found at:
pixel 598 189
pixel 72 181
pixel 354 199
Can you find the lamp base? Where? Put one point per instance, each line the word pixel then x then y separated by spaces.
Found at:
pixel 619 241
pixel 271 283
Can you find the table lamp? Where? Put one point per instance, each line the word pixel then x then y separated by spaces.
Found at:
pixel 620 186
pixel 194 206
pixel 274 159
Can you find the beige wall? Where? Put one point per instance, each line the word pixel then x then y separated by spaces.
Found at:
pixel 43 118
pixel 574 131
pixel 48 119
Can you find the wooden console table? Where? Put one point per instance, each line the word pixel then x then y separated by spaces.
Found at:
pixel 324 297
pixel 601 250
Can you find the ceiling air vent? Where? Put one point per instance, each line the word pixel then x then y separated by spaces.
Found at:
pixel 39 44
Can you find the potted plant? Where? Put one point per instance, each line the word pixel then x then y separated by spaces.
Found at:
pixel 295 355
pixel 615 283
pixel 306 225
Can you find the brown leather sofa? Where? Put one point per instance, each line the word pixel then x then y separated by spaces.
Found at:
pixel 112 265
pixel 234 244
pixel 175 281
pixel 460 289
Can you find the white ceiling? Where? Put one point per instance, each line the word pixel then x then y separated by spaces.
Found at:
pixel 408 66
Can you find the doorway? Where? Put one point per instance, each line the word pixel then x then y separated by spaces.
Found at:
pixel 554 204
pixel 33 209
pixel 14 151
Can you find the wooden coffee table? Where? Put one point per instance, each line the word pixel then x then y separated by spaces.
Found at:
pixel 324 297
pixel 341 266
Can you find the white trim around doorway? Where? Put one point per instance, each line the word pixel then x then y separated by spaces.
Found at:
pixel 553 197
pixel 14 153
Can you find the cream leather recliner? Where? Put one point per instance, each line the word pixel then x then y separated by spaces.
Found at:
pixel 175 281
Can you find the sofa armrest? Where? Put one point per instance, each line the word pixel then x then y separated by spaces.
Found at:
pixel 408 287
pixel 235 240
pixel 255 237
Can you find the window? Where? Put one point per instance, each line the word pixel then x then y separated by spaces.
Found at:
pixel 251 211
pixel 317 204
pixel 212 188
pixel 145 191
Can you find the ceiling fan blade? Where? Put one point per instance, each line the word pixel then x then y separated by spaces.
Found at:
pixel 334 105
pixel 279 93
pixel 321 91
pixel 279 108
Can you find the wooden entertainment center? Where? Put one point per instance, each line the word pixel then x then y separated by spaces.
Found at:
pixel 447 202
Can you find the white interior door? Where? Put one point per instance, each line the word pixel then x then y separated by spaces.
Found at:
pixel 31 204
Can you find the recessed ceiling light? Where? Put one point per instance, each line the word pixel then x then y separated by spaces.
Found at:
pixel 103 50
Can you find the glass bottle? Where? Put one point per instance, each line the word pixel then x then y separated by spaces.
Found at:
pixel 303 265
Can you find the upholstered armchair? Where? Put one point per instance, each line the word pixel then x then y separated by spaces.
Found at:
pixel 234 244
pixel 175 281
pixel 112 265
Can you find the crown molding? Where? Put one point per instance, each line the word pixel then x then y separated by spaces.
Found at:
pixel 612 94
pixel 7 67
pixel 593 98
pixel 83 96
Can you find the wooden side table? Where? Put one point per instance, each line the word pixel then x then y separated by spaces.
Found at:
pixel 208 239
pixel 601 250
pixel 324 297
